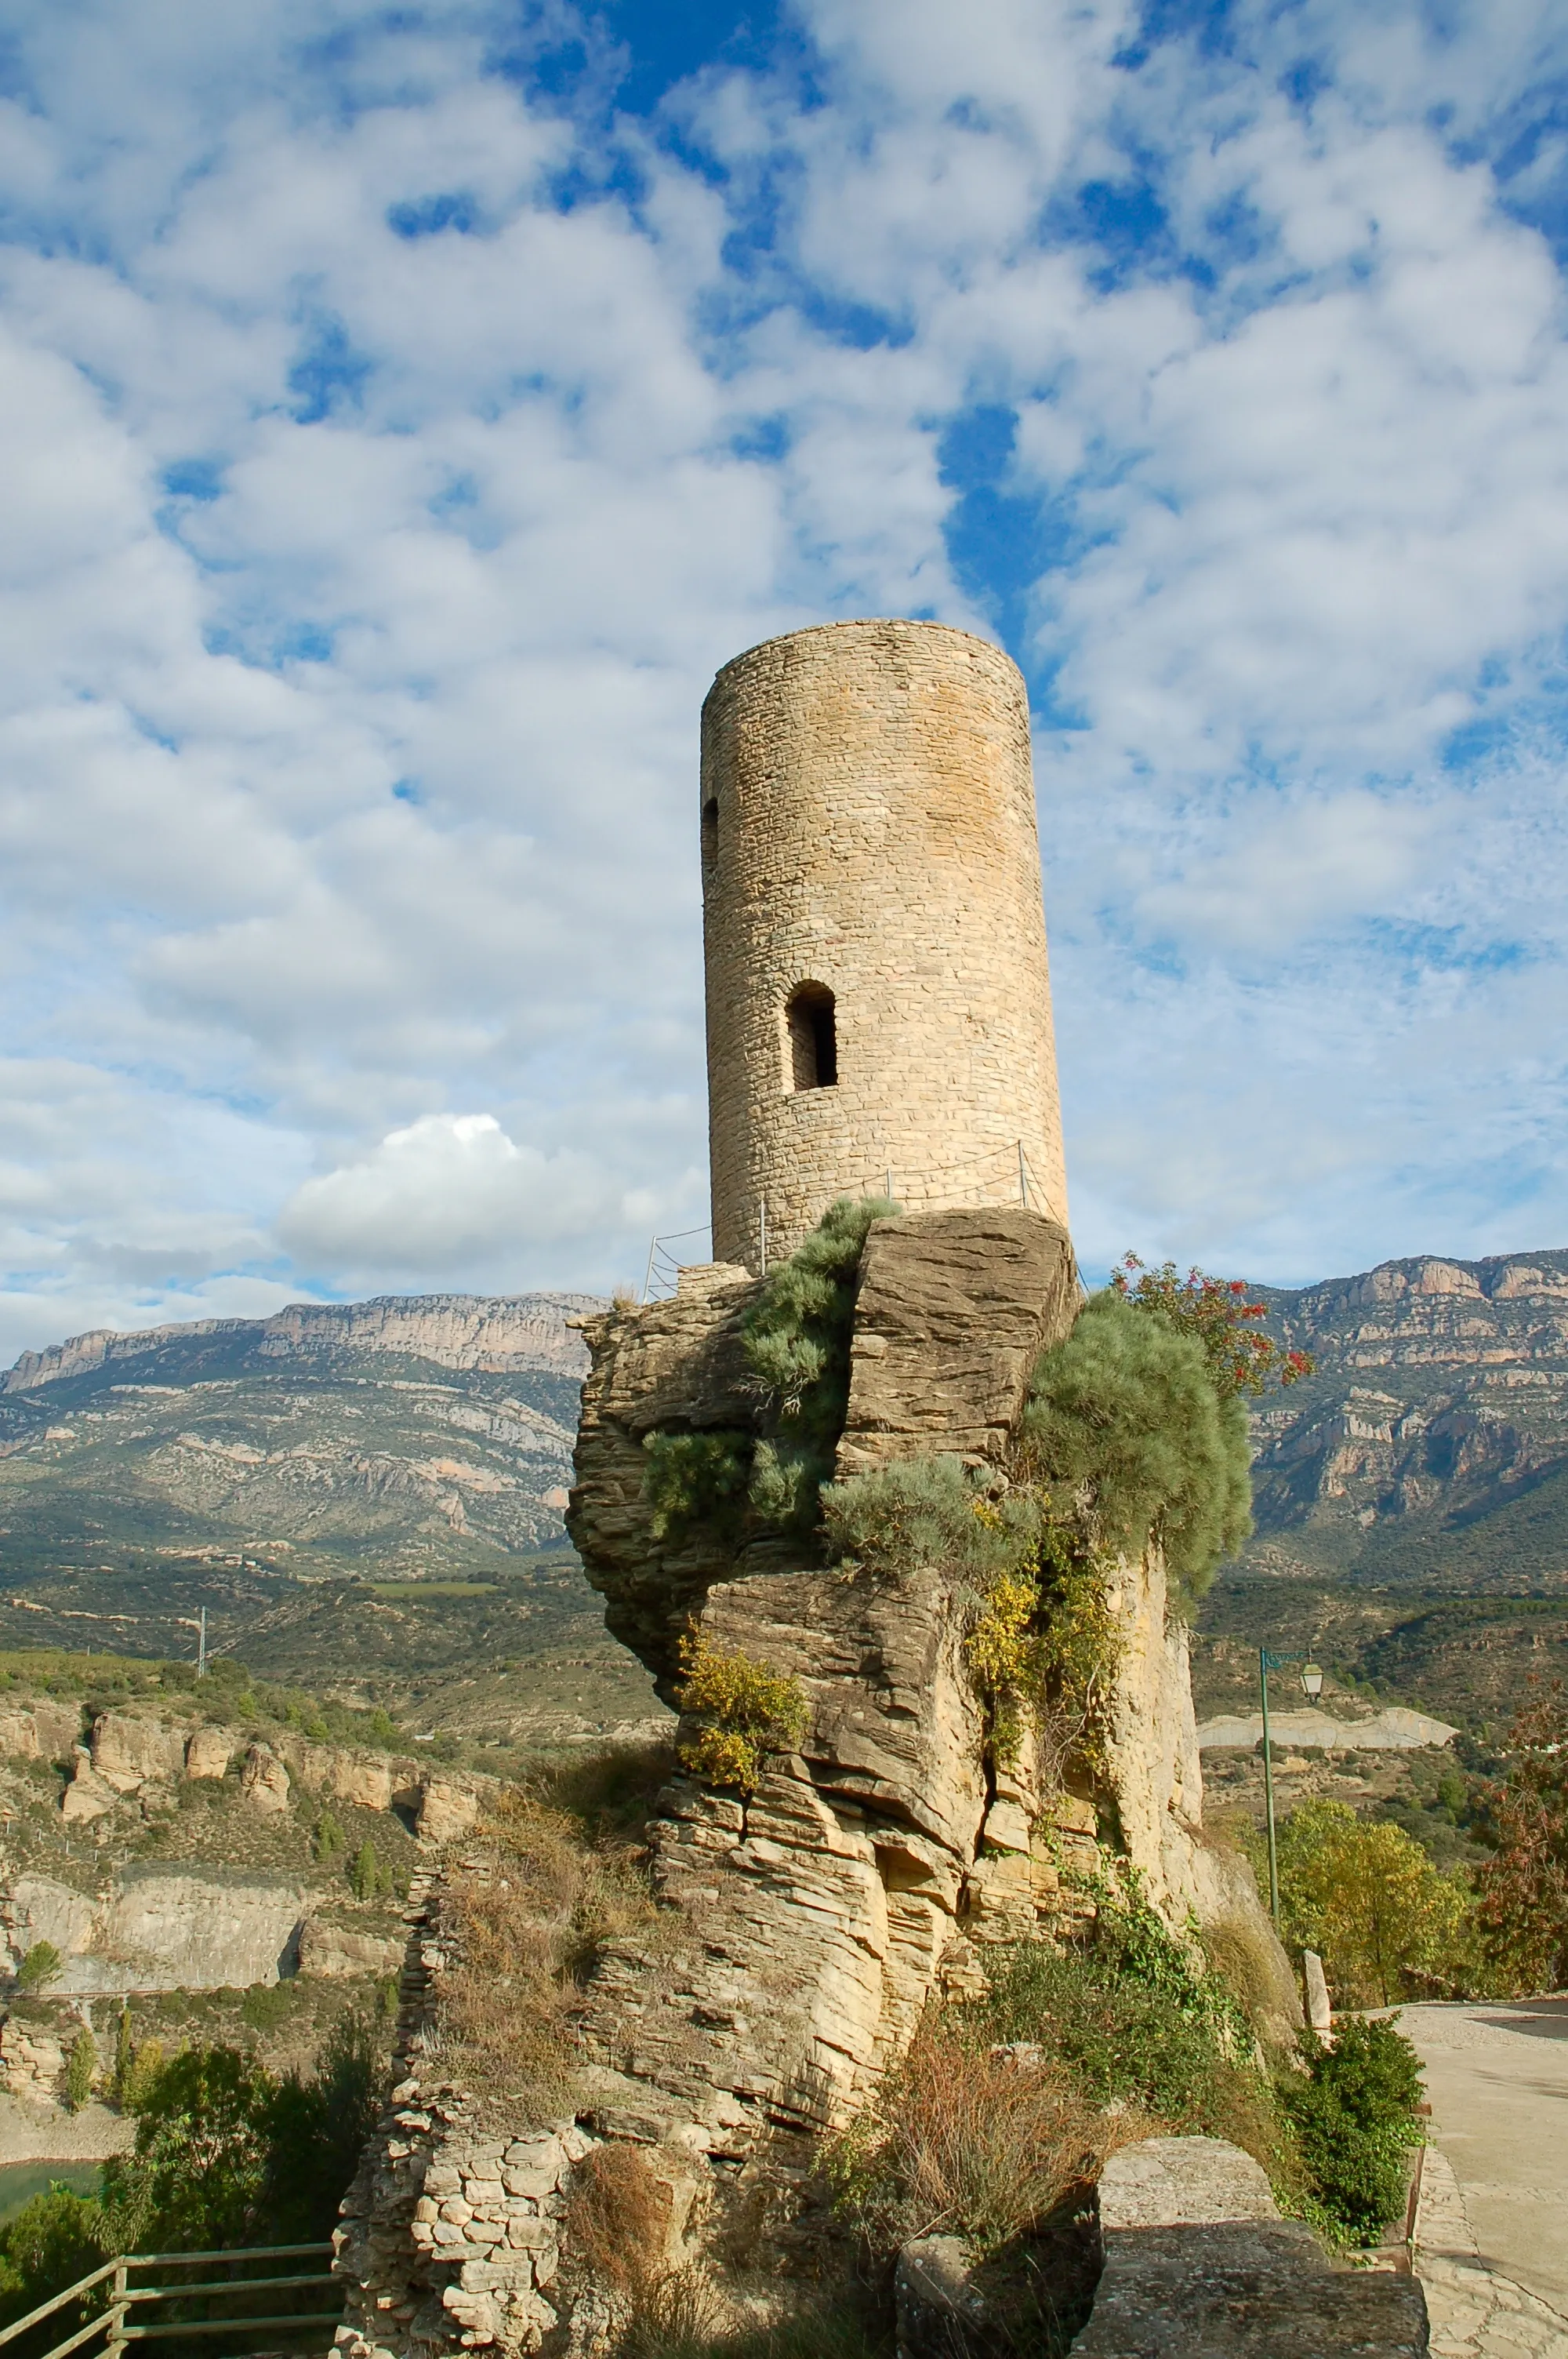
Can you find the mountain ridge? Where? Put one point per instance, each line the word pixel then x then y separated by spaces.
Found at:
pixel 404 1323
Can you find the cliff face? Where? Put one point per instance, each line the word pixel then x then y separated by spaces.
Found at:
pixel 1432 1440
pixel 808 1923
pixel 435 1429
pixel 495 1333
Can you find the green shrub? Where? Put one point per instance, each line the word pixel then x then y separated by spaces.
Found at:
pixel 226 2153
pixel 1132 2019
pixel 1353 2111
pixel 365 1876
pixel 40 1967
pixel 80 2066
pixel 697 1478
pixel 744 1711
pixel 267 2004
pixel 51 2243
pixel 796 1342
pixel 328 1840
pixel 926 1511
pixel 1125 1405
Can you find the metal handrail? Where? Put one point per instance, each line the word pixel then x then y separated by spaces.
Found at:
pixel 112 2318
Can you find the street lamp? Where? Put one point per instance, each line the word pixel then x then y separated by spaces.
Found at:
pixel 1312 1685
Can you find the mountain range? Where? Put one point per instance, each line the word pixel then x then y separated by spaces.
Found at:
pixel 369 1495
pixel 1430 1445
pixel 364 1498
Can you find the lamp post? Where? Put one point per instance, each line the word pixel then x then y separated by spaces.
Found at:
pixel 1312 1685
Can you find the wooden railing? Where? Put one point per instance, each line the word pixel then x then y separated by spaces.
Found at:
pixel 115 2325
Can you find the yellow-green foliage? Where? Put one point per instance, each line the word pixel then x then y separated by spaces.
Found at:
pixel 1043 1639
pixel 1126 1409
pixel 744 1710
pixel 1365 1896
pixel 697 1478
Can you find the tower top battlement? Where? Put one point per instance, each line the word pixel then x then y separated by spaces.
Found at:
pixel 879 999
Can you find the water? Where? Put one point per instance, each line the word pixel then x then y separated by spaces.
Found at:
pixel 20 2181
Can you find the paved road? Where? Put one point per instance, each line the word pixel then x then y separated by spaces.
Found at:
pixel 1497 2079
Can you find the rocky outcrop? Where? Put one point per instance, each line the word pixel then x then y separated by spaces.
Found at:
pixel 88 1796
pixel 153 1928
pixel 128 1749
pixel 264 1780
pixel 1198 2260
pixel 331 1952
pixel 807 1924
pixel 446 1812
pixel 40 1730
pixel 31 2062
pixel 208 1751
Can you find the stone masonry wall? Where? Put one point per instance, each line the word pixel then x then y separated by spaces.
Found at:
pixel 868 825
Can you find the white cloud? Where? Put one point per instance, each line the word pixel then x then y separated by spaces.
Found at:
pixel 450 1194
pixel 362 590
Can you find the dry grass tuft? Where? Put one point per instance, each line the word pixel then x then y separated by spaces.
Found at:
pixel 1241 1955
pixel 617 2234
pixel 972 2140
pixel 540 1887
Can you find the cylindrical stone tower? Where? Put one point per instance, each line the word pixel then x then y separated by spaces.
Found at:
pixel 879 1004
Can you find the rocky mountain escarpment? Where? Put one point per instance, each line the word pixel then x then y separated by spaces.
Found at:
pixel 425 1435
pixel 1431 1443
pixel 811 1912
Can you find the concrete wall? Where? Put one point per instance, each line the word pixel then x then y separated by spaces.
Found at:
pixel 868 825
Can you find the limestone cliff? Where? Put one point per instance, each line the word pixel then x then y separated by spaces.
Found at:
pixel 1432 1440
pixel 808 1922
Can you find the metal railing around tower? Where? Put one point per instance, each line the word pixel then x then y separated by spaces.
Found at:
pixel 1000 1175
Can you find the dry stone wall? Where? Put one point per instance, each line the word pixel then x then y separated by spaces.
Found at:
pixel 868 828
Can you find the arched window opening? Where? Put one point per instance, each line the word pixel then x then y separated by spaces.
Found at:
pixel 711 832
pixel 813 1038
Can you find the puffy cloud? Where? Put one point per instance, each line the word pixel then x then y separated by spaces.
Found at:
pixel 450 1195
pixel 395 439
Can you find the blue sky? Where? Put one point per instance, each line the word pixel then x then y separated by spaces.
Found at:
pixel 408 410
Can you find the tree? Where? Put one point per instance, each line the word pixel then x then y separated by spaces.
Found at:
pixel 365 1875
pixel 1126 1406
pixel 51 2243
pixel 328 1840
pixel 1523 1907
pixel 1366 1897
pixel 196 2176
pixel 80 2066
pixel 40 1967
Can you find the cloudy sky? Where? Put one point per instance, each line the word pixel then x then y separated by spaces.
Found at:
pixel 405 410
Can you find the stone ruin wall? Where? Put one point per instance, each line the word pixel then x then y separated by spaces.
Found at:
pixel 803 1930
pixel 868 825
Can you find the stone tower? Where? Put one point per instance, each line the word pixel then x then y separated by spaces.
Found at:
pixel 878 997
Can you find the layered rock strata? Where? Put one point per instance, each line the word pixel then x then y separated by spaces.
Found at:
pixel 803 1927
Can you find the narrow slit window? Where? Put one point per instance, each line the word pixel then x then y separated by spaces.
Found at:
pixel 709 831
pixel 813 1038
